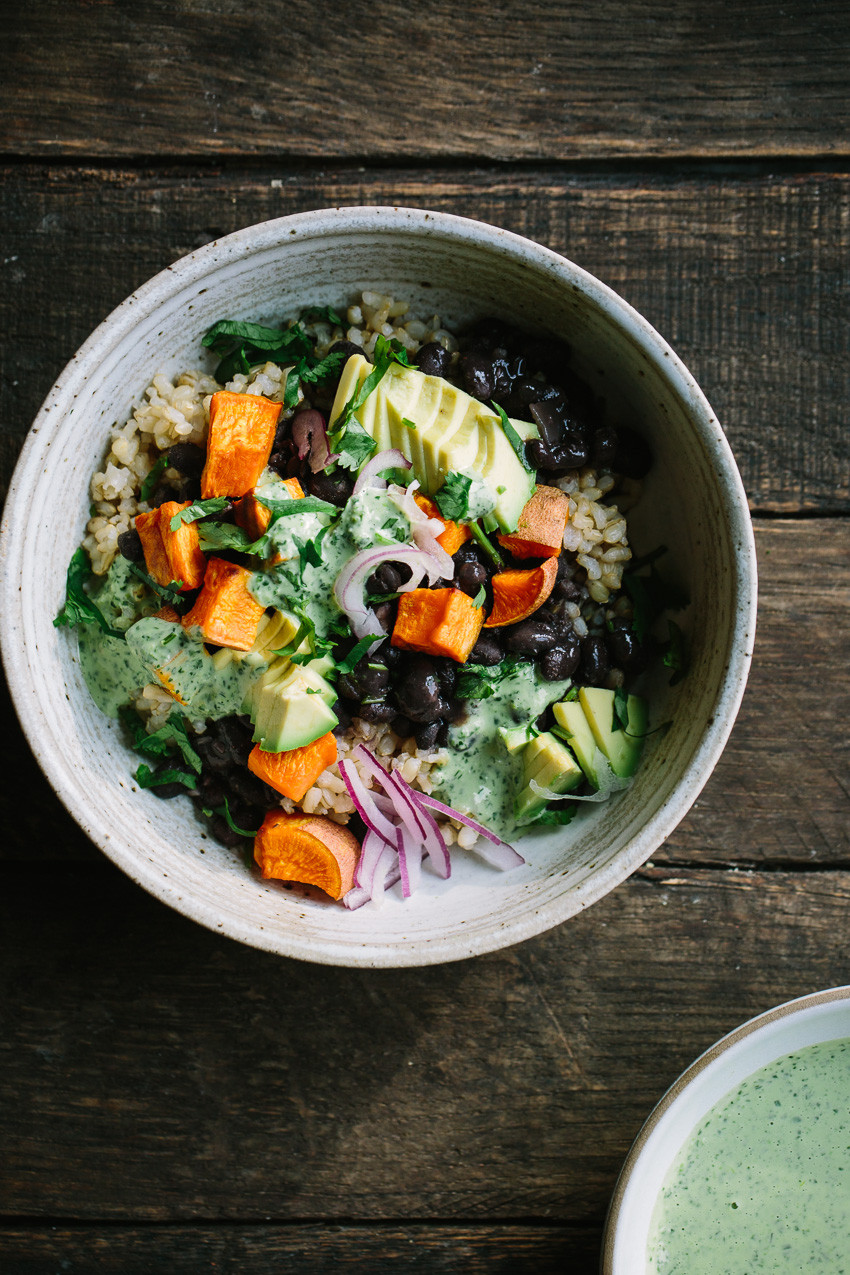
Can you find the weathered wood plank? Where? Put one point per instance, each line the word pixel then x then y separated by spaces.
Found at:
pixel 779 794
pixel 747 279
pixel 153 1071
pixel 303 1250
pixel 536 80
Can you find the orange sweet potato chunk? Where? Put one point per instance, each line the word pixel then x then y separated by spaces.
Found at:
pixel 437 622
pixel 294 771
pixel 224 610
pixel 517 594
pixel 455 534
pixel 254 518
pixel 242 430
pixel 171 555
pixel 540 530
pixel 310 849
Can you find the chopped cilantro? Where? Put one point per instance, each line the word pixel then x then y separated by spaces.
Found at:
pixel 224 812
pixel 513 438
pixel 321 314
pixel 478 600
pixel 241 345
pixel 300 505
pixel 146 778
pixel 452 499
pixel 356 654
pixel 170 592
pixel 621 710
pixel 159 743
pixel 407 423
pixel 484 542
pixel 199 509
pixel 354 447
pixel 154 474
pixel 79 607
pixel 224 535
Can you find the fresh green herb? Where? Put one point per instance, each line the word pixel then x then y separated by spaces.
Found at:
pixel 651 596
pixel 304 505
pixel 199 509
pixel 356 654
pixel 354 447
pixel 407 423
pixel 513 438
pixel 146 778
pixel 621 710
pixel 386 352
pixel 478 600
pixel 311 373
pixel 159 743
pixel 452 499
pixel 286 652
pixel 216 536
pixel 501 490
pixel 321 314
pixel 224 813
pixel 484 541
pixel 556 816
pixel 170 592
pixel 170 638
pixel 647 559
pixel 154 474
pixel 675 656
pixel 241 345
pixel 78 607
pixel 479 681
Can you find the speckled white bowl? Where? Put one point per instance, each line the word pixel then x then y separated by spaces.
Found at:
pixel 694 502
pixel 809 1020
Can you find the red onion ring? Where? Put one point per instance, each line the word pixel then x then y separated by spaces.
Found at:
pixel 349 585
pixel 392 458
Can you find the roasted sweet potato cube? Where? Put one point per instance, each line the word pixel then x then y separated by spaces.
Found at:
pixel 253 517
pixel 310 849
pixel 540 530
pixel 455 534
pixel 225 611
pixel 241 434
pixel 437 622
pixel 171 555
pixel 295 770
pixel 517 594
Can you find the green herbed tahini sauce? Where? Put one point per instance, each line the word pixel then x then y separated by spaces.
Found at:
pixel 763 1184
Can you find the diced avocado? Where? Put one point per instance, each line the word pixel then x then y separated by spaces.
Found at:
pixel 622 750
pixel 516 737
pixel 289 707
pixel 454 433
pixel 550 764
pixel 575 727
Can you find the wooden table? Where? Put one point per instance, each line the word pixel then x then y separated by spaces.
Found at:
pixel 175 1102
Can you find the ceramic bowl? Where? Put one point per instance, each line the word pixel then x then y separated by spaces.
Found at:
pixel 823 1016
pixel 693 502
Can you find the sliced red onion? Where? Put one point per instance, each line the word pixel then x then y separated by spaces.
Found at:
pixel 369 475
pixel 425 799
pixel 356 897
pixel 416 818
pixel 350 584
pixel 310 436
pixel 423 529
pixel 373 818
pixel 370 852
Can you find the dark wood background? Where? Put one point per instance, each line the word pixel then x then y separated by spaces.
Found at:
pixel 173 1101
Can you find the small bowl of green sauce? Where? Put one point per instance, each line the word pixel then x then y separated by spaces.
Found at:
pixel 744 1165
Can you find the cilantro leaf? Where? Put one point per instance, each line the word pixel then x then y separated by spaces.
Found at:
pixel 321 314
pixel 386 352
pixel 154 474
pixel 241 345
pixel 354 447
pixel 170 592
pixel 299 505
pixel 478 600
pixel 79 607
pixel 452 499
pixel 513 438
pixel 159 743
pixel 621 710
pixel 224 535
pixel 146 778
pixel 556 816
pixel 199 509
pixel 224 812
pixel 356 654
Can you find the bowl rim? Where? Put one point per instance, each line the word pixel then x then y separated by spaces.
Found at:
pixel 711 1057
pixel 377 220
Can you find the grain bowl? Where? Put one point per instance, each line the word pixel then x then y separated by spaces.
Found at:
pixel 692 502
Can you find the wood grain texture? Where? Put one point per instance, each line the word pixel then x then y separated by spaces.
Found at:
pixel 153 1071
pixel 748 280
pixel 500 81
pixel 263 1249
pixel 779 794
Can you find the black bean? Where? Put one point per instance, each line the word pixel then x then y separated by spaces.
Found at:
pixel 470 576
pixel 385 580
pixel 348 688
pixel 376 711
pixel 343 718
pixel 161 493
pixel 166 791
pixel 594 661
pixel 334 488
pixel 223 832
pixel 402 726
pixel 546 720
pixel 487 651
pixel 603 446
pixel 575 449
pixel 443 735
pixel 549 355
pixel 560 619
pixel 211 789
pixel 530 637
pixel 418 691
pixel 371 675
pixel 130 545
pixel 477 375
pixel 625 650
pixel 562 661
pixel 633 459
pixel 432 359
pixel 386 614
pixel 426 735
pixel 188 458
pixel 248 788
pixel 447 672
pixel 549 422
pixel 458 711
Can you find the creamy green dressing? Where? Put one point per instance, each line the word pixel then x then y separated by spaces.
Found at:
pixel 481 777
pixel 208 686
pixel 764 1182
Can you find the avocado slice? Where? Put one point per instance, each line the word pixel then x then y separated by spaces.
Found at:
pixel 575 728
pixel 622 750
pixel 454 432
pixel 515 738
pixel 551 765
pixel 290 705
